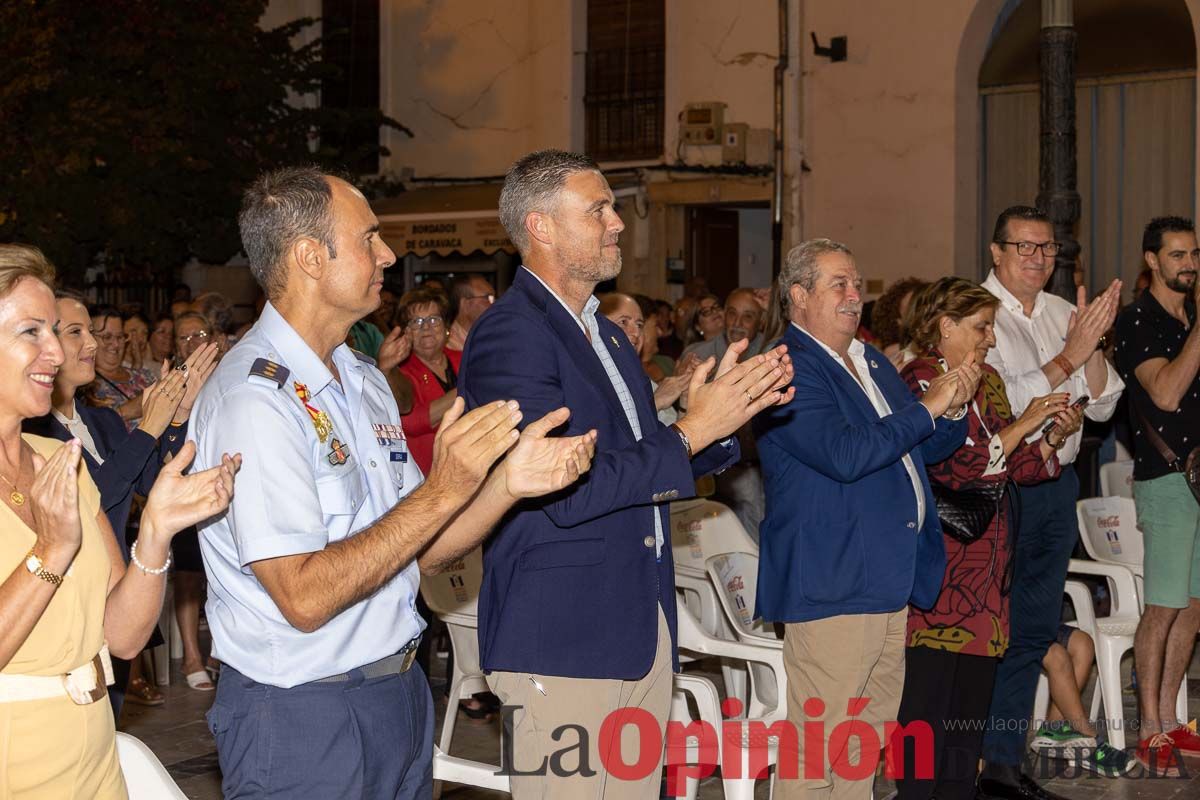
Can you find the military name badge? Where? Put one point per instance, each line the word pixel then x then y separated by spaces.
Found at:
pixel 320 420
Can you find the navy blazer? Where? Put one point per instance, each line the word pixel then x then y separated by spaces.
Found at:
pixel 570 587
pixel 840 535
pixel 132 459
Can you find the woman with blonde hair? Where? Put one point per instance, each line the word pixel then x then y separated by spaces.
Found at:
pixel 66 597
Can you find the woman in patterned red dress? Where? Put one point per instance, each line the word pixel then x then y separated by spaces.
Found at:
pixel 954 646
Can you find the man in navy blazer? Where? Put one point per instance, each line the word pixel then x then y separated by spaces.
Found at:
pixel 851 535
pixel 577 606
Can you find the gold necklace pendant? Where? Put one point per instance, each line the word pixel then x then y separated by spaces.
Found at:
pixel 17 497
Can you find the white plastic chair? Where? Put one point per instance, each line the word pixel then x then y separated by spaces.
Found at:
pixel 1116 479
pixel 145 776
pixel 1113 636
pixel 701 529
pixel 1110 534
pixel 1085 620
pixel 693 639
pixel 453 595
pixel 735 576
pixel 469 773
pixel 699 594
pixel 172 646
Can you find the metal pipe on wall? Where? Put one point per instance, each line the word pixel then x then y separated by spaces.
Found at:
pixel 781 66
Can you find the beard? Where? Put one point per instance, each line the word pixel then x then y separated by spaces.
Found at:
pixel 595 268
pixel 1179 284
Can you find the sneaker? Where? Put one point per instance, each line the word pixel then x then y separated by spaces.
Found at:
pixel 1108 761
pixel 1186 740
pixel 1158 755
pixel 1060 740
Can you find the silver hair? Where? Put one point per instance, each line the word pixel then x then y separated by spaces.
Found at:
pixel 279 208
pixel 800 268
pixel 533 184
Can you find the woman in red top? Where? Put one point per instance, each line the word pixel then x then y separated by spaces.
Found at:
pixel 432 369
pixel 954 646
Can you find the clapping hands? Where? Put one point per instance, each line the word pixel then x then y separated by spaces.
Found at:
pixel 177 501
pixel 540 464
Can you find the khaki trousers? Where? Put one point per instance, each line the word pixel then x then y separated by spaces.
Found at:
pixel 837 660
pixel 556 731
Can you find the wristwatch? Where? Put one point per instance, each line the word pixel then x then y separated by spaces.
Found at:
pixel 34 564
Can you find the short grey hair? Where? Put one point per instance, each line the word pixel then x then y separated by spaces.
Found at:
pixel 198 317
pixel 217 309
pixel 533 184
pixel 279 208
pixel 800 268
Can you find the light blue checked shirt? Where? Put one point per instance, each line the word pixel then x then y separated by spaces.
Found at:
pixel 591 329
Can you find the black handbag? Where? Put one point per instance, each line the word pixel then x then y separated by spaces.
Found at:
pixel 966 514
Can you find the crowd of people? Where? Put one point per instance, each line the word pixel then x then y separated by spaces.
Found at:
pixel 907 474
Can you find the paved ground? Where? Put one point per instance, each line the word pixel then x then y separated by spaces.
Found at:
pixel 177 733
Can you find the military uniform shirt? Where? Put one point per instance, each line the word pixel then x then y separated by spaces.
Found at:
pixel 301 486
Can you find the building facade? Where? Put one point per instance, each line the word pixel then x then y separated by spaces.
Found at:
pixel 904 148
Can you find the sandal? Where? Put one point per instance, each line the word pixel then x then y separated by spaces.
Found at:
pixel 143 694
pixel 213 668
pixel 199 681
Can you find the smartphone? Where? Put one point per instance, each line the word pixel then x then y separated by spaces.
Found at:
pixel 1080 403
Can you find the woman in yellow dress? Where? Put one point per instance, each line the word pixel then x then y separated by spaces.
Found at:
pixel 66 598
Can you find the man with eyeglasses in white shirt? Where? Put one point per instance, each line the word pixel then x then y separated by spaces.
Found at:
pixel 1043 344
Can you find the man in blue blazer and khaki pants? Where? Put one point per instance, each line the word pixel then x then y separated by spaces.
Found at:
pixel 851 535
pixel 577 606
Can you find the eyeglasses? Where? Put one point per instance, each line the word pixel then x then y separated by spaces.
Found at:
pixel 711 311
pixel 198 335
pixel 420 323
pixel 1049 249
pixel 491 298
pixel 111 338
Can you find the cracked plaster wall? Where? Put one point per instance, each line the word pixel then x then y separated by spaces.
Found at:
pixel 881 133
pixel 482 83
pixel 478 83
pixel 720 51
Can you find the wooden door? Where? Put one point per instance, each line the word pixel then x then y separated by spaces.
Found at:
pixel 712 247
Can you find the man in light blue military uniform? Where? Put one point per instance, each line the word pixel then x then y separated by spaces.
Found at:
pixel 313 571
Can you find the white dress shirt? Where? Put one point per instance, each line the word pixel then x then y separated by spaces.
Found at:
pixel 1025 343
pixel 79 430
pixel 879 402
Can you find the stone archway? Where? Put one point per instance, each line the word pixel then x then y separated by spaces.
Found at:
pixel 972 49
pixel 1015 61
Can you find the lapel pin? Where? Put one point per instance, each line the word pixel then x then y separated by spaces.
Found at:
pixel 873 364
pixel 613 339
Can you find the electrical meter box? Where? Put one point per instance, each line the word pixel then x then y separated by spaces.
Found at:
pixel 733 143
pixel 702 123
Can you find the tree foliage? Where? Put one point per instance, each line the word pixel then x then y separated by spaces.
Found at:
pixel 129 128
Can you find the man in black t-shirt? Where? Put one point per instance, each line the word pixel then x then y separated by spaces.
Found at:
pixel 1158 356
